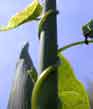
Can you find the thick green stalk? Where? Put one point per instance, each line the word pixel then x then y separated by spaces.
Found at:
pixel 48 38
pixel 48 54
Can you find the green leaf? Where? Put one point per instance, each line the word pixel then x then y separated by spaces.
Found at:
pixel 90 25
pixel 85 30
pixel 68 82
pixel 88 30
pixel 31 12
pixel 70 93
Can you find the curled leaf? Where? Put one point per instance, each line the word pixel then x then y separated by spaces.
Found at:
pixel 31 12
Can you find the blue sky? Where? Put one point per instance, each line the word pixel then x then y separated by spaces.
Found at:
pixel 73 14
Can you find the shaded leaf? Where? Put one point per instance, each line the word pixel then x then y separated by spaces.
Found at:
pixel 90 25
pixel 31 70
pixel 31 12
pixel 21 92
pixel 87 30
pixel 70 93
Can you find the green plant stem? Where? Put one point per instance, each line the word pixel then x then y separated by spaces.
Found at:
pixel 73 44
pixel 48 38
pixel 48 54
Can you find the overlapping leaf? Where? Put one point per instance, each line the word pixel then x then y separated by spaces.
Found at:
pixel 31 12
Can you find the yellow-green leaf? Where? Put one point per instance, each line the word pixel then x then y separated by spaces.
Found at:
pixel 70 92
pixel 31 12
pixel 68 83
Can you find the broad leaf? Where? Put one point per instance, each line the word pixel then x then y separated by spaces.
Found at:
pixel 70 92
pixel 67 82
pixel 31 12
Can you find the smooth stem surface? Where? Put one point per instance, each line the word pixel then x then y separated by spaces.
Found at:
pixel 48 54
pixel 72 45
pixel 48 38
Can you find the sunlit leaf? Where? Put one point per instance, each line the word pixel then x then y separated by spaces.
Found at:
pixel 70 92
pixel 67 81
pixel 31 12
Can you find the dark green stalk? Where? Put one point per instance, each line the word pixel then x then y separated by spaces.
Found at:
pixel 48 38
pixel 48 55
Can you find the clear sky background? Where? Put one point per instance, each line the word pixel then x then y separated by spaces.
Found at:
pixel 73 14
